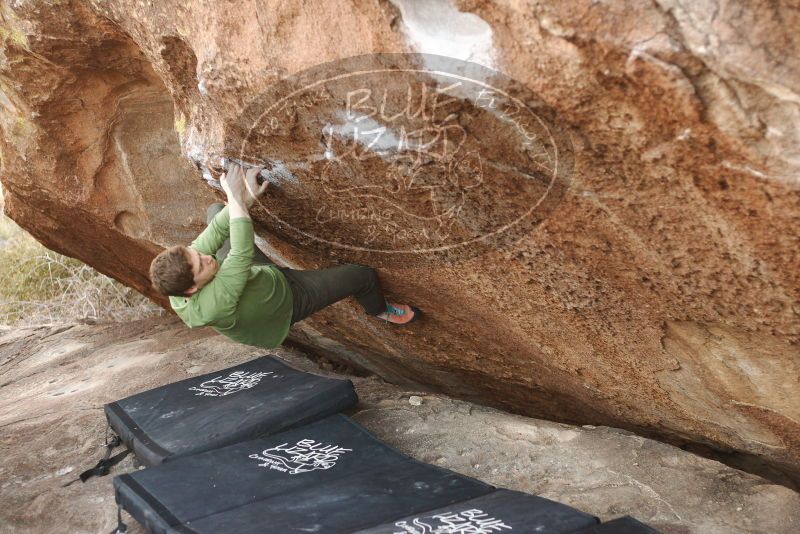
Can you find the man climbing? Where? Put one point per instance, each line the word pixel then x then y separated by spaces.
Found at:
pixel 224 281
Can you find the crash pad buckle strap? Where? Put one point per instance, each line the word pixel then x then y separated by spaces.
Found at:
pixel 107 462
pixel 121 527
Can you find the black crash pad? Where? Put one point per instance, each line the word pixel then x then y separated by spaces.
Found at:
pixel 499 511
pixel 623 525
pixel 261 397
pixel 329 477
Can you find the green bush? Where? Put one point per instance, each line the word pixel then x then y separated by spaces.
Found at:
pixel 41 286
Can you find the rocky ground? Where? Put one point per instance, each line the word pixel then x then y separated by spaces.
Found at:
pixel 55 379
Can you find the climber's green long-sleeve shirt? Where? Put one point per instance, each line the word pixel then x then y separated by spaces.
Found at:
pixel 249 303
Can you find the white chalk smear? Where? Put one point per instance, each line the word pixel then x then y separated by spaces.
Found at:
pixel 437 27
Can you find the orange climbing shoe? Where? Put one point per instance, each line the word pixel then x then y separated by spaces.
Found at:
pixel 399 313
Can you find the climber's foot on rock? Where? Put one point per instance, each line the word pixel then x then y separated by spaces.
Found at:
pixel 399 313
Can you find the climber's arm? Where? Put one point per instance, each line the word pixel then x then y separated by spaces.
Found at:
pixel 224 290
pixel 218 230
pixel 214 235
pixel 234 272
pixel 228 284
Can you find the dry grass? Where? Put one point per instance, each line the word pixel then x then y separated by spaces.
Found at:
pixel 39 286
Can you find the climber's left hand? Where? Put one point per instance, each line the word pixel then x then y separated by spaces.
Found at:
pixel 251 182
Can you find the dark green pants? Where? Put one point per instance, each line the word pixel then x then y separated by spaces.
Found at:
pixel 315 289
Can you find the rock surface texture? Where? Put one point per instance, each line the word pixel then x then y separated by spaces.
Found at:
pixel 660 293
pixel 55 380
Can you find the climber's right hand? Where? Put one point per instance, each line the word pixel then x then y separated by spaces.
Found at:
pixel 233 183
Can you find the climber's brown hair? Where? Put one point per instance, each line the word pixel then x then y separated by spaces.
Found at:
pixel 171 271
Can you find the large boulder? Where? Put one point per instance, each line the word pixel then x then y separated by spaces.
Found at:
pixel 655 290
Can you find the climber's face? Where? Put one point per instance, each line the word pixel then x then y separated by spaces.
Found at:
pixel 204 267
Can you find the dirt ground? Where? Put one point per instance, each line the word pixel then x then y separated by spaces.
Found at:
pixel 55 379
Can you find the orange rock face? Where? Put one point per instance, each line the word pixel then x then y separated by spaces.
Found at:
pixel 614 242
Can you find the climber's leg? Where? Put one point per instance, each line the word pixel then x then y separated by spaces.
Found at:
pixel 313 290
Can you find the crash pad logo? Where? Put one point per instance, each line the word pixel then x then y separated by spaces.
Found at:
pixel 467 522
pixel 417 155
pixel 235 382
pixel 304 456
